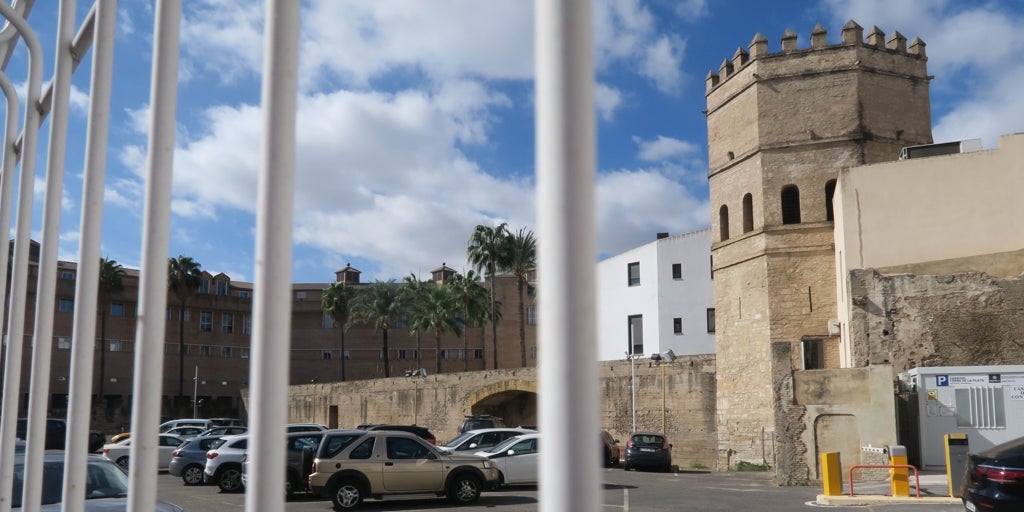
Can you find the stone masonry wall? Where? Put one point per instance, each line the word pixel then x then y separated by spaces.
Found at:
pixel 926 320
pixel 678 398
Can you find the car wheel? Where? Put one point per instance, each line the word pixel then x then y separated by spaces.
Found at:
pixel 626 466
pixel 347 495
pixel 607 458
pixel 230 480
pixel 123 462
pixel 192 475
pixel 464 489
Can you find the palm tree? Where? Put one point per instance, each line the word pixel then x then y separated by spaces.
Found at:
pixel 381 304
pixel 521 258
pixel 485 252
pixel 473 299
pixel 183 277
pixel 412 294
pixel 111 281
pixel 336 301
pixel 437 310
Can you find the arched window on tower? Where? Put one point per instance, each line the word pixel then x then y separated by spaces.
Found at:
pixel 723 222
pixel 830 192
pixel 748 213
pixel 790 204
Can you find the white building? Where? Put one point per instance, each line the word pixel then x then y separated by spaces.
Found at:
pixel 657 297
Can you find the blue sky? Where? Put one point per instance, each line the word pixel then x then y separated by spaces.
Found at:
pixel 415 118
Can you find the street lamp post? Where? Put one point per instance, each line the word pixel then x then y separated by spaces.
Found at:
pixel 195 392
pixel 663 360
pixel 416 374
pixel 632 382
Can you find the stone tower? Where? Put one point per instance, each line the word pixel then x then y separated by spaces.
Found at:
pixel 780 127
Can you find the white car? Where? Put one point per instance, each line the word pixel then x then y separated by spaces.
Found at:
pixel 516 459
pixel 224 463
pixel 120 451
pixel 482 439
pixel 186 432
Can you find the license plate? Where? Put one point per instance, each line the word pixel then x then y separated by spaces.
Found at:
pixel 652 449
pixel 970 506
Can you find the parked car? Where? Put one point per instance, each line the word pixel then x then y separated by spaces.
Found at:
pixel 516 459
pixel 106 485
pixel 648 450
pixel 299 452
pixel 186 432
pixel 305 427
pixel 118 437
pixel 482 439
pixel 476 422
pixel 120 451
pixel 224 463
pixel 610 450
pixel 994 479
pixel 190 422
pixel 351 466
pixel 56 434
pixel 226 422
pixel 189 460
pixel 223 431
pixel 422 432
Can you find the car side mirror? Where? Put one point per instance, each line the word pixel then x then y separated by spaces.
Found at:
pixel 473 445
pixel 431 456
pixel 511 452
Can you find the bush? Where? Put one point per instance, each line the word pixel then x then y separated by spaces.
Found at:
pixel 748 466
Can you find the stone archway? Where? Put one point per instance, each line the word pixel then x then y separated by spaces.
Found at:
pixel 514 401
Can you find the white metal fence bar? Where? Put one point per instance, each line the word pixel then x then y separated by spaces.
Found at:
pixel 149 339
pixel 271 336
pixel 46 281
pixel 566 250
pixel 22 240
pixel 6 195
pixel 83 341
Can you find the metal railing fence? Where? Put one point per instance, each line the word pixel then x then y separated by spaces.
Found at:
pixel 566 154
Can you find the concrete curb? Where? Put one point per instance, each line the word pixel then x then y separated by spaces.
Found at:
pixel 875 499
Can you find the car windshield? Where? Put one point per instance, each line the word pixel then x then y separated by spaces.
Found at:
pixel 504 445
pixel 103 480
pixel 454 443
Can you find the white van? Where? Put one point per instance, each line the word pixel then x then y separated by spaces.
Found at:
pixel 193 422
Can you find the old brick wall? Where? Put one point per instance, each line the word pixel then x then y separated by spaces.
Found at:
pixel 927 320
pixel 679 397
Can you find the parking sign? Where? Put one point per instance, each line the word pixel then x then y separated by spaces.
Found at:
pixel 942 380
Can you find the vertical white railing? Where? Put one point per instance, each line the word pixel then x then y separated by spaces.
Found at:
pixel 19 265
pixel 83 342
pixel 566 250
pixel 46 280
pixel 272 289
pixel 147 383
pixel 6 196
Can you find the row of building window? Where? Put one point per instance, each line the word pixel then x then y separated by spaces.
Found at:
pixel 635 330
pixel 223 288
pixel 789 201
pixel 633 273
pixel 64 343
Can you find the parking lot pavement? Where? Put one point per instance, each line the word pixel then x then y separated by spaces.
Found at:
pixel 623 491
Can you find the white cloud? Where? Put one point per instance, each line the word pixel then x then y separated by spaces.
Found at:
pixel 665 148
pixel 635 205
pixel 608 99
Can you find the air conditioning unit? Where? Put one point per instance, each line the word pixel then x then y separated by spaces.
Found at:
pixel 833 327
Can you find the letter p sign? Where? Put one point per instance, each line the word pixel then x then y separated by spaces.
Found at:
pixel 942 380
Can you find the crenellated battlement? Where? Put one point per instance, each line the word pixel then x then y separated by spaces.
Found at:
pixel 852 36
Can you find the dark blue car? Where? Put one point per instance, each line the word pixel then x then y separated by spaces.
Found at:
pixel 994 479
pixel 648 450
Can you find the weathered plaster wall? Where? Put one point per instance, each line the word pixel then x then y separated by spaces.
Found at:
pixel 960 319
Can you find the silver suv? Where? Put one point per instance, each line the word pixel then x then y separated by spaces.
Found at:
pixel 351 466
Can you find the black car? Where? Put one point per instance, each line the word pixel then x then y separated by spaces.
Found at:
pixel 994 478
pixel 422 432
pixel 648 450
pixel 481 421
pixel 56 434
